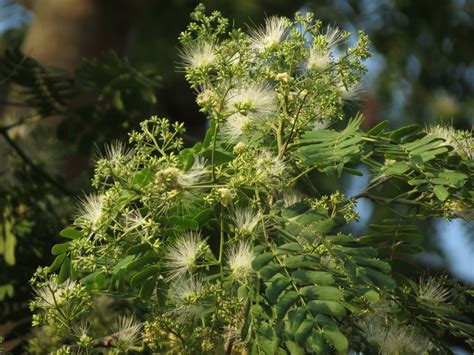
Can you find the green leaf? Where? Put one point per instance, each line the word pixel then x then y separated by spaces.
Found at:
pixel 99 280
pixel 148 258
pixel 331 308
pixel 269 270
pixel 138 249
pixel 242 292
pixel 65 270
pixel 294 348
pixel 329 150
pixel 322 293
pixel 325 226
pixel 123 263
pixel 9 244
pixel 142 178
pixel 117 100
pixel 392 227
pixel 70 233
pixel 441 192
pixel 336 338
pixel 396 168
pixel 284 303
pixel 57 262
pixel 380 279
pixel 202 218
pixel 147 289
pixel 295 318
pixel 398 134
pixel 317 344
pixel 352 171
pixel 60 248
pixel 299 261
pixel 304 331
pixel 313 277
pixel 138 278
pixel 378 128
pixel 6 290
pixel 276 288
pixel 220 156
pixel 289 248
pixel 208 138
pixel 375 238
pixel 402 248
pixel 89 278
pixel 371 296
pixel 373 263
pixel 262 260
pixel 184 222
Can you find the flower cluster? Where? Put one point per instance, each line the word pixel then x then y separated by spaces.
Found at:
pixel 235 244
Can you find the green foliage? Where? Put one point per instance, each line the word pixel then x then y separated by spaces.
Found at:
pixel 96 103
pixel 218 248
pixel 101 92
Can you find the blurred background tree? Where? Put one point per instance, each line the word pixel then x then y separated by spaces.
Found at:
pixel 422 71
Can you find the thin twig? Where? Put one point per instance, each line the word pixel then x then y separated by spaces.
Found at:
pixel 293 131
pixel 35 167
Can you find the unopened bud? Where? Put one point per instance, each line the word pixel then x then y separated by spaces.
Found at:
pixel 226 196
pixel 240 147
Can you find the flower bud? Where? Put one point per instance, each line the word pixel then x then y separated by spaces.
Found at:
pixel 283 77
pixel 240 147
pixel 226 196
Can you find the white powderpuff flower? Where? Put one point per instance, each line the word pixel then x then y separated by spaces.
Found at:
pixel 185 293
pixel 432 290
pixel 54 294
pixel 81 329
pixel 354 93
pixel 173 177
pixel 127 330
pixel 321 124
pixel 406 341
pixel 265 37
pixel 269 165
pixel 334 36
pixel 194 175
pixel 182 255
pixel 117 151
pixel 236 126
pixel 135 220
pixel 318 59
pixel 81 332
pixel 198 55
pixel 461 141
pixel 246 219
pixel 91 208
pixel 290 198
pixel 392 339
pixel 258 101
pixel 240 259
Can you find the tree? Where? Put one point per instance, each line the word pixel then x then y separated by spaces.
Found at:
pixel 232 244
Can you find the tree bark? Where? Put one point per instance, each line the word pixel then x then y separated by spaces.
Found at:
pixel 65 31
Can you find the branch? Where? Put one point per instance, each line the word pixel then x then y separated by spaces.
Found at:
pixel 18 123
pixel 33 166
pixel 293 127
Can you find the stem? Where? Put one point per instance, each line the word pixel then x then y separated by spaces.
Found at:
pixel 293 127
pixel 214 141
pixel 213 153
pixel 221 243
pixel 363 193
pixel 278 135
